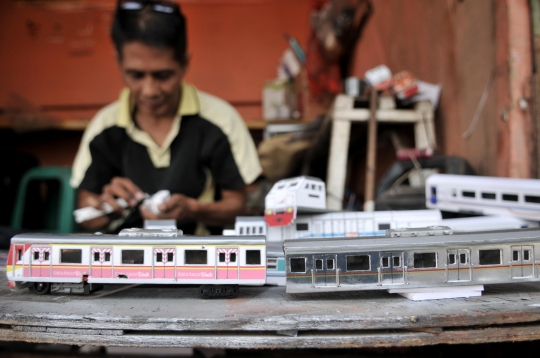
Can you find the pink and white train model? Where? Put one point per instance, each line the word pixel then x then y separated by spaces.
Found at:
pixel 83 263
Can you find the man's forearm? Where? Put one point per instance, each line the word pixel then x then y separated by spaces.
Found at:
pixel 220 212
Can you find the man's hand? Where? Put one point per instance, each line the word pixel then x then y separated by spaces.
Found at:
pixel 119 187
pixel 183 208
pixel 124 188
pixel 179 208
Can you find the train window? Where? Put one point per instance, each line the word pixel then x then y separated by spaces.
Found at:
pixel 247 231
pixel 19 255
pixel 509 197
pixel 384 226
pixel 307 186
pixel 491 196
pixel 397 261
pixel 46 255
pixel 36 255
pixel 462 258
pixel 358 263
pixel 489 257
pixel 196 257
pixel 260 230
pixel 433 191
pixel 96 256
pixel 298 265
pixel 425 260
pixel 451 259
pixel 320 187
pixel 107 256
pixel 385 262
pixel 271 264
pixel 318 264
pixel 232 257
pixel 329 264
pixel 71 256
pixel 159 257
pixel 134 257
pixel 170 256
pixel 526 255
pixel 221 257
pixel 468 194
pixel 532 199
pixel 302 226
pixel 241 231
pixel 253 257
pixel 293 184
pixel 515 255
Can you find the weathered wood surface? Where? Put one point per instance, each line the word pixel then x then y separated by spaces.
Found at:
pixel 267 317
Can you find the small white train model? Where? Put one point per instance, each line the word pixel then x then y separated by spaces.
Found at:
pixel 290 196
pixel 484 195
pixel 412 258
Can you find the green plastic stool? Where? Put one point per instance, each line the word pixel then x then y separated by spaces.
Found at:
pixel 59 203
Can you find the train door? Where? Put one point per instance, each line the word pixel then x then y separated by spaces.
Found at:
pixel 392 270
pixel 458 265
pixel 164 262
pixel 324 268
pixel 228 263
pixel 101 262
pixel 40 262
pixel 18 252
pixel 522 263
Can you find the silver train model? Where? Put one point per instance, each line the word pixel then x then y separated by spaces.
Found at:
pixel 412 258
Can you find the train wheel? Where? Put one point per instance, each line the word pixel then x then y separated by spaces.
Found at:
pixel 231 291
pixel 205 291
pixel 40 288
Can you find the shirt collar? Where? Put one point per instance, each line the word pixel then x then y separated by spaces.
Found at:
pixel 189 105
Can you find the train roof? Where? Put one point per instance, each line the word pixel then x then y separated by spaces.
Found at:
pixel 473 180
pixel 386 243
pixel 97 239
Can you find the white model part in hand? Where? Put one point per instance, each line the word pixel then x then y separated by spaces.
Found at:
pixel 89 212
pixel 152 203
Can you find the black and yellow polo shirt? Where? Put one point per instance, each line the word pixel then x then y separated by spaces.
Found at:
pixel 208 145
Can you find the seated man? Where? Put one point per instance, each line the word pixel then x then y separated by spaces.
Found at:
pixel 162 134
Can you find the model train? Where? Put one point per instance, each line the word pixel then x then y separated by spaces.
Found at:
pixel 84 263
pixel 337 224
pixel 484 195
pixel 412 258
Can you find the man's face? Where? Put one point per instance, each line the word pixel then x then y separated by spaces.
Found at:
pixel 153 77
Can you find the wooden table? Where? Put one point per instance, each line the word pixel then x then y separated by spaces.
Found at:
pixel 267 317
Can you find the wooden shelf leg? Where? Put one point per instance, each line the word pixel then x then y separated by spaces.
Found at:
pixel 337 163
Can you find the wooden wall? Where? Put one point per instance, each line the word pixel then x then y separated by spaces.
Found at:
pixel 459 44
pixel 57 54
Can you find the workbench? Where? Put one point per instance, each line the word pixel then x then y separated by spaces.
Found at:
pixel 267 317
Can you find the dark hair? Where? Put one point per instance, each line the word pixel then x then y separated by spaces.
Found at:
pixel 152 28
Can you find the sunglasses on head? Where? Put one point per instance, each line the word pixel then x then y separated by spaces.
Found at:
pixel 166 7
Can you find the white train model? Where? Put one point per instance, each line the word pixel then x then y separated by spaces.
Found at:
pixel 336 224
pixel 84 263
pixel 290 196
pixel 412 258
pixel 484 195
